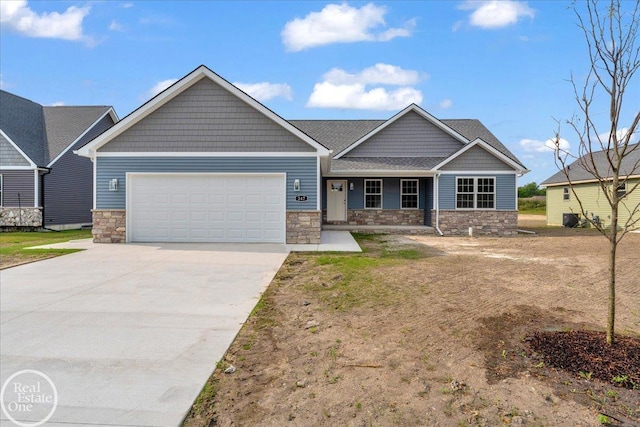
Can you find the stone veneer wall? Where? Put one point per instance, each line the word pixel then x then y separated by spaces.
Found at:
pixel 380 217
pixel 23 218
pixel 109 225
pixel 496 223
pixel 303 227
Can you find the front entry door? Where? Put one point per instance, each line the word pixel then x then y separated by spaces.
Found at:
pixel 336 200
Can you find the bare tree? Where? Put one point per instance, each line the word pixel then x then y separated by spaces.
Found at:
pixel 606 148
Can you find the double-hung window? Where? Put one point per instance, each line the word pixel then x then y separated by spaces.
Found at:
pixel 565 193
pixel 409 193
pixel 621 191
pixel 475 193
pixel 373 194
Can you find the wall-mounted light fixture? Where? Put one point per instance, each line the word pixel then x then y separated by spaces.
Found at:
pixel 113 184
pixel 296 185
pixel 351 186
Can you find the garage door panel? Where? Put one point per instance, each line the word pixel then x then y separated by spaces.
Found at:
pixel 206 208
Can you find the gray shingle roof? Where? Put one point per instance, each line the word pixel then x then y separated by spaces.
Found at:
pixel 336 134
pixel 339 134
pixel 44 132
pixel 385 163
pixel 63 125
pixel 577 172
pixel 23 121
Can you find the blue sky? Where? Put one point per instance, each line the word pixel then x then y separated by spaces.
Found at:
pixel 506 63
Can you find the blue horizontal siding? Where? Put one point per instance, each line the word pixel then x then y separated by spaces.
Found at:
pixel 302 168
pixel 505 190
pixel 390 192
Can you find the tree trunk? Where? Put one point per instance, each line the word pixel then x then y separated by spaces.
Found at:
pixel 613 242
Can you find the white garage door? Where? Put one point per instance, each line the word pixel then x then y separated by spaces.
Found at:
pixel 206 208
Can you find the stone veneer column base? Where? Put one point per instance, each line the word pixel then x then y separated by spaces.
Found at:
pixel 495 223
pixel 380 217
pixel 109 225
pixel 303 227
pixel 20 218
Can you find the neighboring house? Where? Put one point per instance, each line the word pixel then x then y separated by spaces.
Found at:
pixel 42 183
pixel 561 200
pixel 205 162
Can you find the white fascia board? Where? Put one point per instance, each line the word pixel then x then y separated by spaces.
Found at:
pixel 489 149
pixel 18 168
pixel 586 181
pixel 416 109
pixel 478 172
pixel 208 154
pixel 22 153
pixel 379 173
pixel 180 86
pixel 109 112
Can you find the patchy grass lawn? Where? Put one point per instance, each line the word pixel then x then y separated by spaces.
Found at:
pixel 13 252
pixel 429 331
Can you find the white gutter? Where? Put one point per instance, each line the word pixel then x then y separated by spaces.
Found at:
pixel 436 203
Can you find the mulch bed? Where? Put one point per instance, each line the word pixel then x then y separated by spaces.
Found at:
pixel 587 355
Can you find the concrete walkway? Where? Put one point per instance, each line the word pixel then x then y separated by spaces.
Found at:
pixel 129 334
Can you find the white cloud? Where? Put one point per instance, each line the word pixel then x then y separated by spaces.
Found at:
pixel 265 91
pixel 340 89
pixel 160 86
pixel 340 23
pixel 18 16
pixel 116 26
pixel 535 146
pixel 446 104
pixel 496 13
pixel 58 104
pixel 378 74
pixel 329 95
pixel 621 134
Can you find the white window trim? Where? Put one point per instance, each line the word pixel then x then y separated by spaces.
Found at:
pixel 475 193
pixel 373 194
pixel 624 184
pixel 417 193
pixel 566 194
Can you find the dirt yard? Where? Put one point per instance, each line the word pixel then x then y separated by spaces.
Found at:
pixel 428 331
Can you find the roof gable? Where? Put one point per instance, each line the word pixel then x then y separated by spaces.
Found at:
pixel 11 155
pixel 466 154
pixel 405 128
pixel 202 112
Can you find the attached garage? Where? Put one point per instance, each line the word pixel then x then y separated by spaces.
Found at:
pixel 209 207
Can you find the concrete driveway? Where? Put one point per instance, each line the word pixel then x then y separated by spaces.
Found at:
pixel 128 334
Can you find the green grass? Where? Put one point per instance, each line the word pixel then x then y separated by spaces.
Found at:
pixel 12 245
pixel 532 207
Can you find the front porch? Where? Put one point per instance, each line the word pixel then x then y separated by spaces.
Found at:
pixel 382 229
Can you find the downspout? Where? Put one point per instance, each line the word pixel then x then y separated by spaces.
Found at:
pixel 46 172
pixel 436 202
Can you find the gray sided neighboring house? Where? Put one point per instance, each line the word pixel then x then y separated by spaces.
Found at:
pixel 42 182
pixel 205 162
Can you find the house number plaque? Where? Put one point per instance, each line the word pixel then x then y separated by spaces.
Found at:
pixel 302 198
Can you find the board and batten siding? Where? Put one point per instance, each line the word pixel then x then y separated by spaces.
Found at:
pixel 409 136
pixel 9 156
pixel 505 190
pixel 593 201
pixel 206 118
pixel 68 188
pixel 476 159
pixel 303 168
pixel 18 182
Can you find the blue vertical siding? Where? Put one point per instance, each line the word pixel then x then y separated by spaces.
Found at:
pixel 505 191
pixel 302 168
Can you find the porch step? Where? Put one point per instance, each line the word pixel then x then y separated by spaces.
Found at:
pixel 382 229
